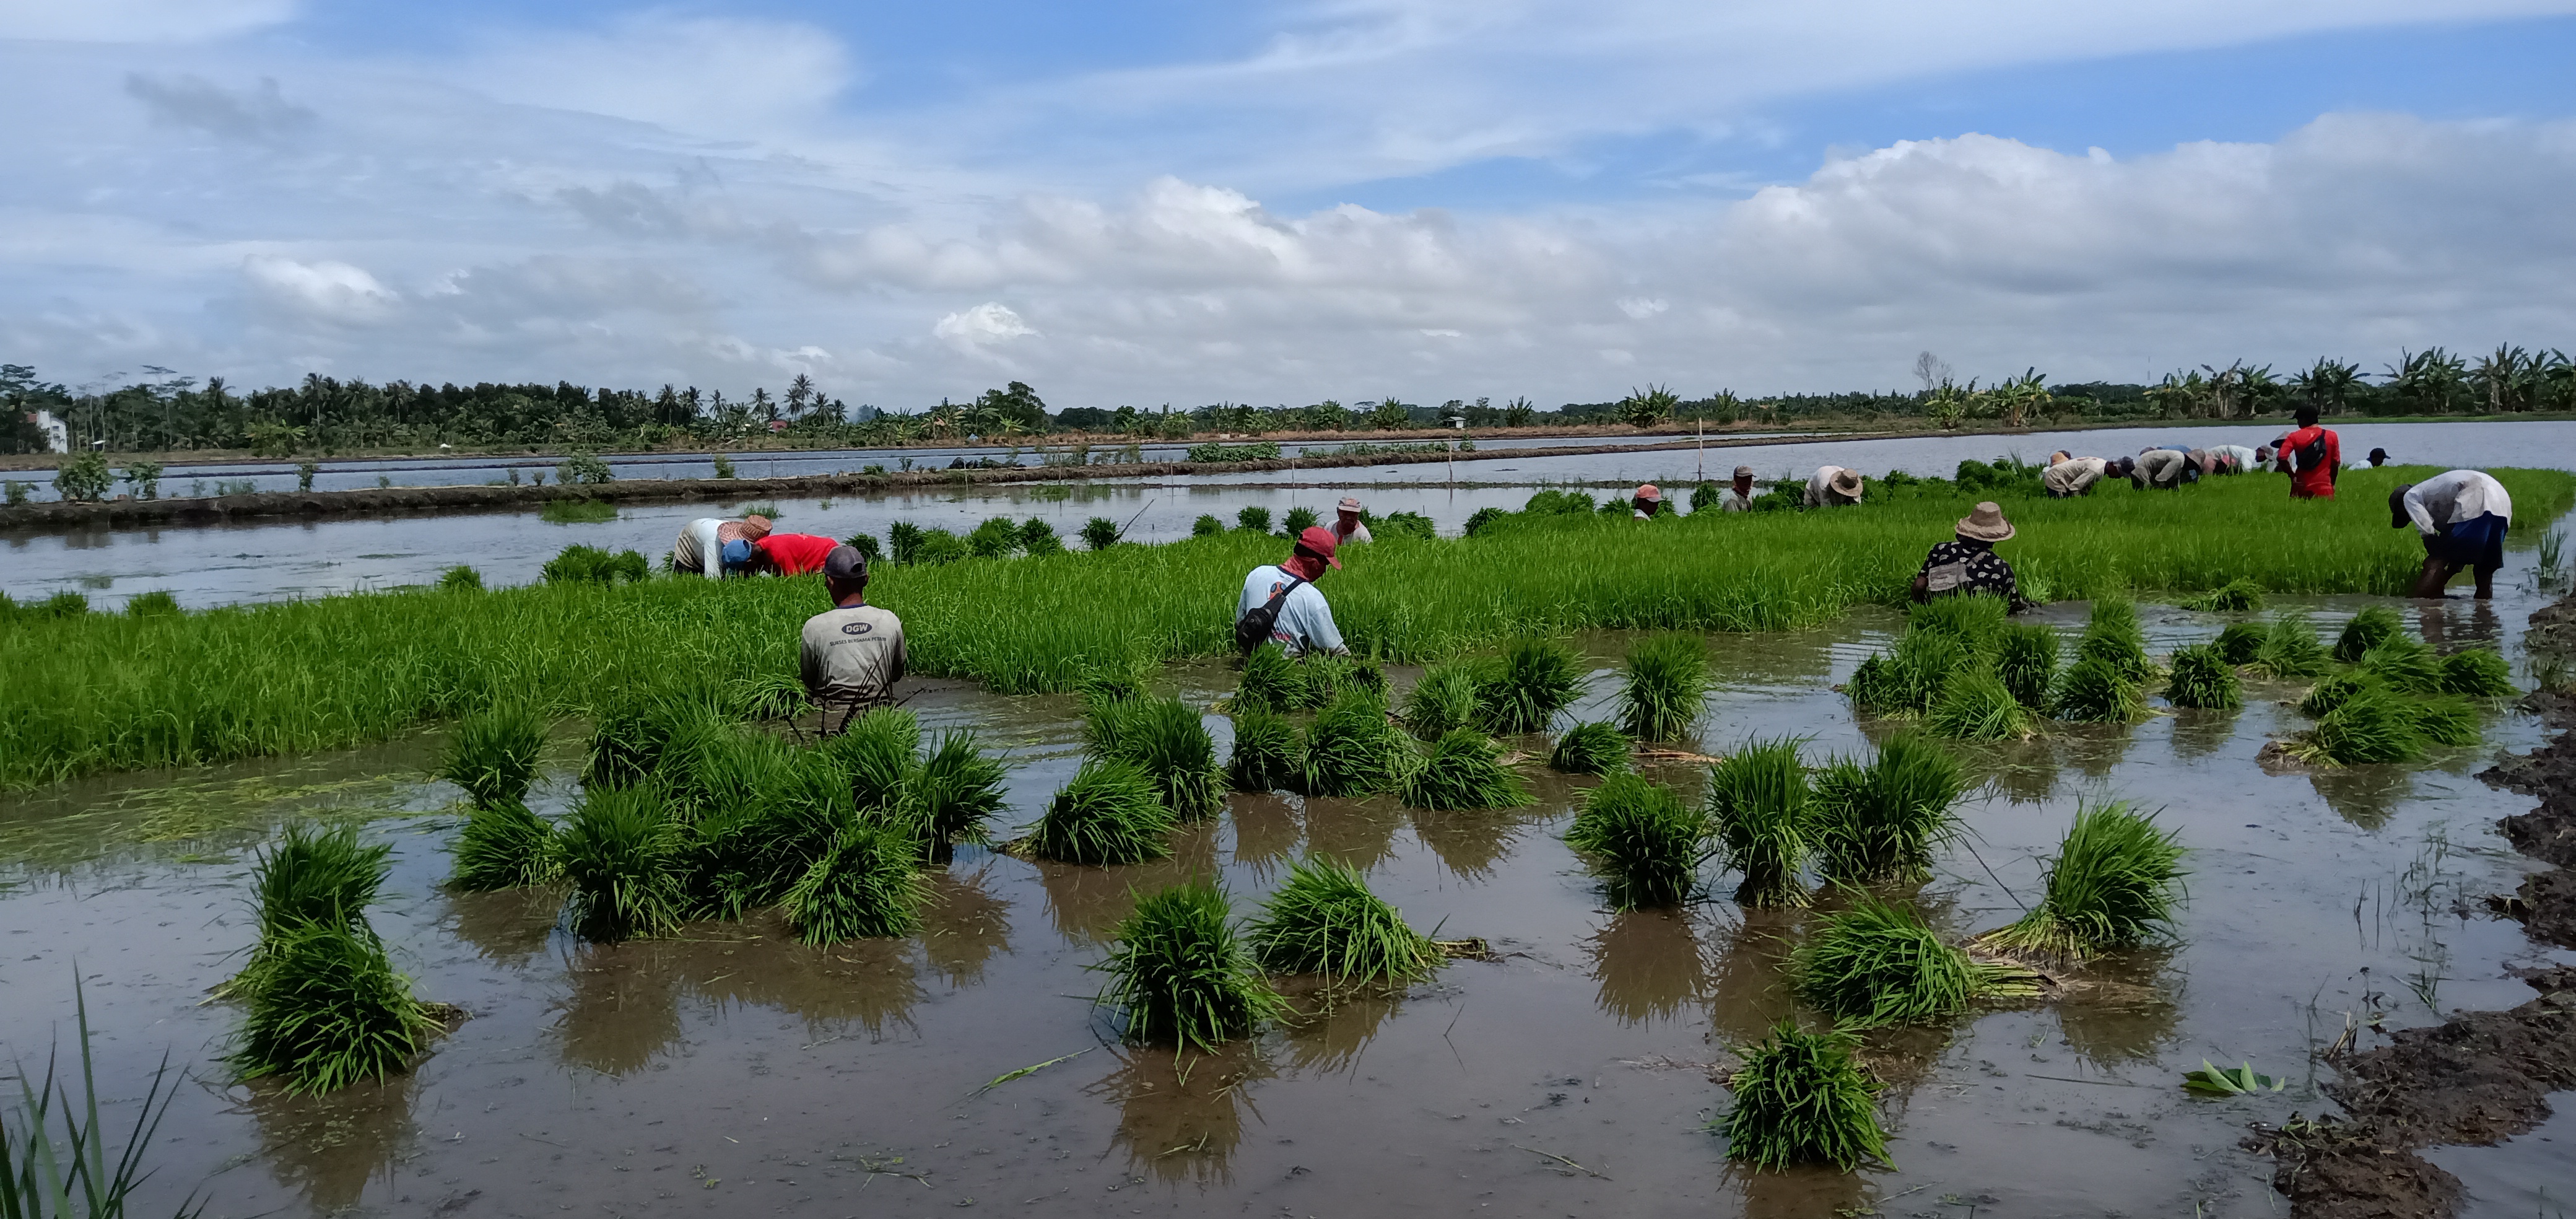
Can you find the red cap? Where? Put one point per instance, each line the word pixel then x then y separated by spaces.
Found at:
pixel 1319 542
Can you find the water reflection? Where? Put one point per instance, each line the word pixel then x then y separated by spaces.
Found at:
pixel 2023 772
pixel 328 1148
pixel 2445 626
pixel 1648 965
pixel 2096 749
pixel 1748 989
pixel 835 988
pixel 624 1008
pixel 509 926
pixel 2199 733
pixel 1265 831
pixel 1333 1028
pixel 1808 1191
pixel 2365 796
pixel 1181 1115
pixel 1468 842
pixel 1358 833
pixel 963 925
pixel 1086 904
pixel 2122 1008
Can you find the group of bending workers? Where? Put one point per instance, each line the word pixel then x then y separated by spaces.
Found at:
pixel 715 548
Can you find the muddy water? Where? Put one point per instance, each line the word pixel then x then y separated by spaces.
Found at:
pixel 732 1071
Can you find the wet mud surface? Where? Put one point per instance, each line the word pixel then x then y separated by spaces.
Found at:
pixel 731 1070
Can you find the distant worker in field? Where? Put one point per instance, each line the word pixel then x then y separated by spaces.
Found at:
pixel 2312 456
pixel 1348 528
pixel 2068 476
pixel 1280 604
pixel 1648 501
pixel 850 655
pixel 792 554
pixel 710 546
pixel 2378 458
pixel 1967 564
pixel 1739 496
pixel 2238 458
pixel 2463 516
pixel 2162 469
pixel 1833 487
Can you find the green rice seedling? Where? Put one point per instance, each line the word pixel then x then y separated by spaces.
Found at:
pixel 866 885
pixel 2366 630
pixel 2026 657
pixel 628 740
pixel 1299 520
pixel 1167 739
pixel 1644 841
pixel 1661 685
pixel 1758 805
pixel 1271 682
pixel 1037 537
pixel 1591 748
pixel 1265 756
pixel 1252 518
pixel 1976 705
pixel 460 579
pixel 38 1182
pixel 1884 819
pixel 1179 973
pixel 956 789
pixel 317 877
pixel 2370 725
pixel 2404 665
pixel 1445 698
pixel 1111 813
pixel 493 754
pixel 1801 1099
pixel 159 603
pixel 2477 673
pixel 1351 749
pixel 329 1011
pixel 2112 636
pixel 2331 691
pixel 2200 679
pixel 1325 921
pixel 2114 884
pixel 1535 678
pixel 770 696
pixel 2096 691
pixel 2237 596
pixel 620 854
pixel 1909 678
pixel 578 564
pixel 2290 649
pixel 1329 677
pixel 2445 721
pixel 1113 682
pixel 503 846
pixel 1100 533
pixel 1974 621
pixel 1874 964
pixel 876 753
pixel 1207 526
pixel 1463 770
pixel 2238 643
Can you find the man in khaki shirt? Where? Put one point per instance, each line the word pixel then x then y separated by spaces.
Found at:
pixel 850 655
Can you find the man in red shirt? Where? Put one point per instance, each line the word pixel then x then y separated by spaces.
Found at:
pixel 794 554
pixel 2312 457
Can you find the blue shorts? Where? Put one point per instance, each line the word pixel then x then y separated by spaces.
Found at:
pixel 2477 543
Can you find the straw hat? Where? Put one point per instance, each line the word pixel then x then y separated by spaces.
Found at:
pixel 756 526
pixel 1846 483
pixel 1744 471
pixel 1986 524
pixel 1350 503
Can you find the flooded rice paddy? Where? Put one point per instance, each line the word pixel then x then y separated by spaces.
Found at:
pixel 733 1071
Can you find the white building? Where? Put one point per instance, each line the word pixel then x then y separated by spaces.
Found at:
pixel 58 436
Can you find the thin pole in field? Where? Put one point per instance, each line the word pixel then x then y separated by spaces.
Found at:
pixel 1703 450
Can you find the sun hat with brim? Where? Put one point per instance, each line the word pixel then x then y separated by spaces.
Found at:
pixel 1350 503
pixel 1846 483
pixel 1647 492
pixel 1986 524
pixel 1744 471
pixel 2397 505
pixel 1319 542
pixel 756 524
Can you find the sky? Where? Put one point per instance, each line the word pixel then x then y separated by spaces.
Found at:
pixel 1162 203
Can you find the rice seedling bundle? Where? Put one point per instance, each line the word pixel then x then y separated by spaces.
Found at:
pixel 1114 683
pixel 1325 921
pixel 1883 820
pixel 2096 691
pixel 1166 739
pixel 1975 621
pixel 1876 964
pixel 1111 813
pixel 865 885
pixel 2366 630
pixel 875 753
pixel 2369 725
pixel 1758 807
pixel 1463 769
pixel 2113 637
pixel 2331 691
pixel 2404 665
pixel 721 767
pixel 1801 1099
pixel 1329 677
pixel 1591 748
pixel 1271 682
pixel 2477 673
pixel 1535 678
pixel 1445 698
pixel 317 877
pixel 1180 975
pixel 1976 705
pixel 2114 884
pixel 2445 721
pixel 950 796
pixel 1351 749
pixel 620 853
pixel 770 696
pixel 493 754
pixel 2026 657
pixel 2238 642
pixel 1266 756
pixel 2201 679
pixel 503 846
pixel 1661 685
pixel 1642 838
pixel 329 1011
pixel 2237 596
pixel 628 741
pixel 2290 649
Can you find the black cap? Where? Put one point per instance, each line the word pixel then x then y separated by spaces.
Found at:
pixel 2397 513
pixel 845 563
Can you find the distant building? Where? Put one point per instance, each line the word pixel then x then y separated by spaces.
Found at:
pixel 58 435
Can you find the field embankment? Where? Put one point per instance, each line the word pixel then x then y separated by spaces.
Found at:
pixel 94 693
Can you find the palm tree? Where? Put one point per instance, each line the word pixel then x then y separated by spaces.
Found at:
pixel 2431 378
pixel 2502 378
pixel 2325 384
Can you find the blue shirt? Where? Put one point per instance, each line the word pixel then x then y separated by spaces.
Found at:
pixel 1305 623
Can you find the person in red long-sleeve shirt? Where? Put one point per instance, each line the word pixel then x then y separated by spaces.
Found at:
pixel 794 554
pixel 2312 457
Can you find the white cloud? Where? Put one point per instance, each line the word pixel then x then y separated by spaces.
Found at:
pixel 326 290
pixel 703 75
pixel 138 20
pixel 986 325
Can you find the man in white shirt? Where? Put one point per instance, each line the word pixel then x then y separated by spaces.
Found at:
pixel 1348 528
pixel 851 654
pixel 1833 487
pixel 2067 477
pixel 2463 516
pixel 1303 623
pixel 711 547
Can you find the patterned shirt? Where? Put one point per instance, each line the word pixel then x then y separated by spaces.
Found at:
pixel 1980 570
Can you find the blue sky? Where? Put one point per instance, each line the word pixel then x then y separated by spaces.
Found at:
pixel 1277 202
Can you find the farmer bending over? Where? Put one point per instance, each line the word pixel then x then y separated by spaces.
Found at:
pixel 792 554
pixel 710 547
pixel 2165 469
pixel 1833 487
pixel 1280 605
pixel 2237 458
pixel 2463 516
pixel 850 655
pixel 1967 565
pixel 2067 477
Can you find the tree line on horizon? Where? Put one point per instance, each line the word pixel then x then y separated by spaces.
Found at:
pixel 169 412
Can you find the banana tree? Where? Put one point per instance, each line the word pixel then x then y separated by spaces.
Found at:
pixel 2502 379
pixel 1649 406
pixel 2020 397
pixel 2179 395
pixel 1947 405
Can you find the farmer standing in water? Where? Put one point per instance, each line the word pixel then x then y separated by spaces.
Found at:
pixel 1280 605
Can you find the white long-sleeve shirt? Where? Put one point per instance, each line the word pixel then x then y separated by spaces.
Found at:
pixel 700 548
pixel 2460 495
